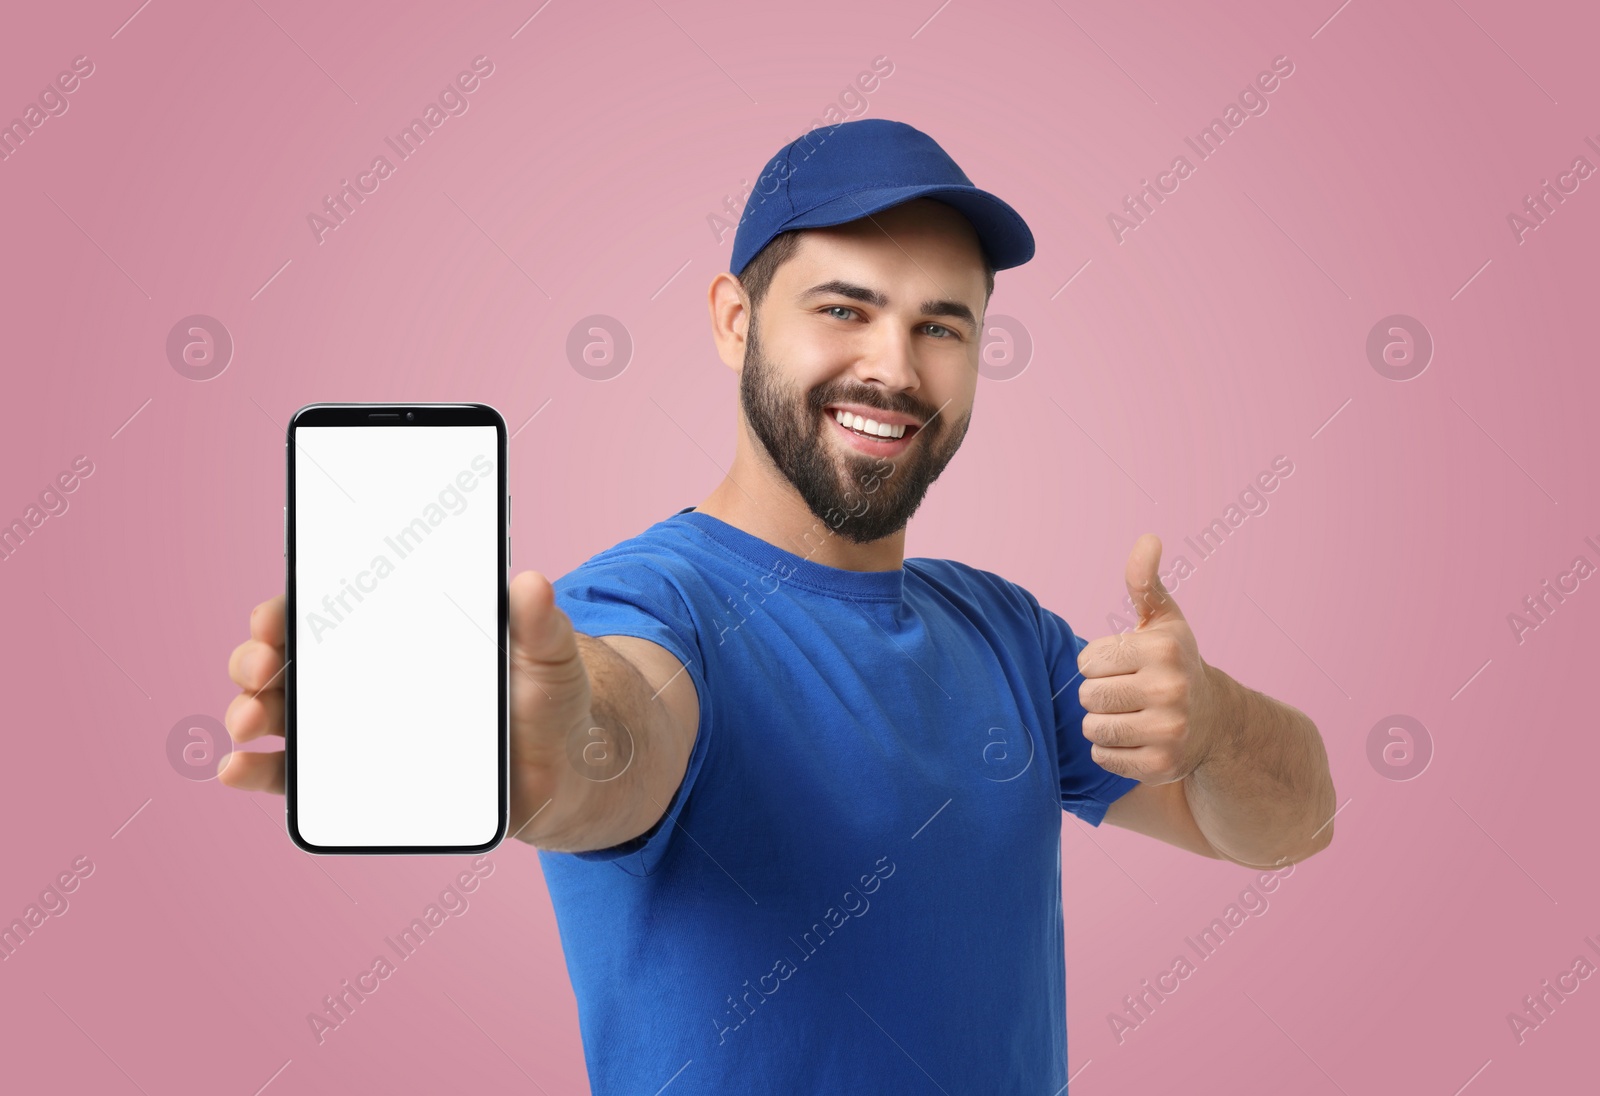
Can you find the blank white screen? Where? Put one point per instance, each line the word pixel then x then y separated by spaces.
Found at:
pixel 397 659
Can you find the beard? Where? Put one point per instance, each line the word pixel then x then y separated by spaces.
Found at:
pixel 861 497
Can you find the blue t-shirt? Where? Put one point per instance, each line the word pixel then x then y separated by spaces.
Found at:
pixel 857 887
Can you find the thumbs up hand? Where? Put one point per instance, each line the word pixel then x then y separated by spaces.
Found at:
pixel 1149 697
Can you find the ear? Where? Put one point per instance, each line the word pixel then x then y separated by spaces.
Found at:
pixel 730 319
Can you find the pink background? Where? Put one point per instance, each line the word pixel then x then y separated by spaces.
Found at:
pixel 1229 329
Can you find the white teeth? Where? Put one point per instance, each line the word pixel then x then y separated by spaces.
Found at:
pixel 869 426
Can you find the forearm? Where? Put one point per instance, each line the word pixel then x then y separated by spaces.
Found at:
pixel 611 778
pixel 1263 795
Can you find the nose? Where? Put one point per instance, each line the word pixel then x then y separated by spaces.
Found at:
pixel 889 362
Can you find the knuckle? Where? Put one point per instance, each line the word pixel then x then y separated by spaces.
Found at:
pixel 1163 646
pixel 1107 696
pixel 1093 695
pixel 1102 695
pixel 229 719
pixel 252 673
pixel 1163 729
pixel 1110 732
pixel 1129 697
pixel 1170 690
pixel 1120 761
pixel 1107 759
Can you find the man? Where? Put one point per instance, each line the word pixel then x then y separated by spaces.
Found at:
pixel 797 797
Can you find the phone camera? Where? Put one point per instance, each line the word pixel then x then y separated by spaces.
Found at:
pixel 410 416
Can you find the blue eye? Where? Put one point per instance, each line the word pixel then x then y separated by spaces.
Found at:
pixel 838 308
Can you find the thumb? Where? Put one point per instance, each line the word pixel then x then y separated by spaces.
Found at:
pixel 542 637
pixel 1145 589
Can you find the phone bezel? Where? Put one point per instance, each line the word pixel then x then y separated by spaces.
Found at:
pixel 425 414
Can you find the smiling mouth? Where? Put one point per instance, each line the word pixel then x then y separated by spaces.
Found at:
pixel 871 444
pixel 869 429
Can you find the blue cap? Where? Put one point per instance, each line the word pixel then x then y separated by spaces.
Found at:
pixel 843 172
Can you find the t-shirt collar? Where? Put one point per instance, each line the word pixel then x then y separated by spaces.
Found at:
pixel 785 566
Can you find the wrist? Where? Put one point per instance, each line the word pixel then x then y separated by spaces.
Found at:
pixel 1223 715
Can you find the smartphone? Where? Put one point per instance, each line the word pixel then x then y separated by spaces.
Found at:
pixel 397 666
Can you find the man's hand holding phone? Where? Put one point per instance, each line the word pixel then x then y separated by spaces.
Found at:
pixel 569 692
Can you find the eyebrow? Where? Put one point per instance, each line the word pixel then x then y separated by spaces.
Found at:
pixel 931 307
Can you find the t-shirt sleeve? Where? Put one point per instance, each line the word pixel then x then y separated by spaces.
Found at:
pixel 636 596
pixel 1087 790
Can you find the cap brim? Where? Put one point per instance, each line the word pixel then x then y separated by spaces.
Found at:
pixel 1004 235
